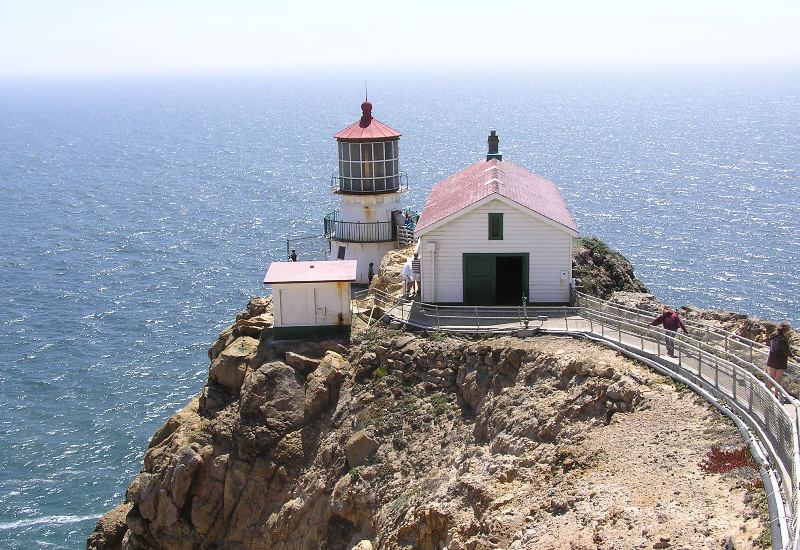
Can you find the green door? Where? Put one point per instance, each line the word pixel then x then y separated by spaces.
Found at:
pixel 479 279
pixel 495 279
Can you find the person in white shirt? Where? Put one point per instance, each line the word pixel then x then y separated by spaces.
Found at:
pixel 406 272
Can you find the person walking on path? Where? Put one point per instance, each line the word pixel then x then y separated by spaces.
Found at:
pixel 406 272
pixel 779 353
pixel 671 321
pixel 416 273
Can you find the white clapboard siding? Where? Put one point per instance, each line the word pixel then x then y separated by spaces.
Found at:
pixel 549 249
pixel 311 304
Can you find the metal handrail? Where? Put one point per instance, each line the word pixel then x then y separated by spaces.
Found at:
pixel 358 232
pixel 701 346
pixel 753 348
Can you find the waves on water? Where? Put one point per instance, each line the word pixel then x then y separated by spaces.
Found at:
pixel 48 520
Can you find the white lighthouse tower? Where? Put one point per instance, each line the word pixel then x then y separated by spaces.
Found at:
pixel 369 185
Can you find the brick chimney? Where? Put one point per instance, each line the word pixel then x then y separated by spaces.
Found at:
pixel 494 143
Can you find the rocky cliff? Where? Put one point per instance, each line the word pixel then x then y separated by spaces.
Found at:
pixel 398 441
pixel 600 271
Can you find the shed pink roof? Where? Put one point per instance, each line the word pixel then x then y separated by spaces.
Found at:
pixel 311 272
pixel 494 176
pixel 367 128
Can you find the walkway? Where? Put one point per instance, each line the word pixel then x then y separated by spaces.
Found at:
pixel 720 366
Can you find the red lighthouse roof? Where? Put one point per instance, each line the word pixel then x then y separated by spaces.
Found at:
pixel 367 128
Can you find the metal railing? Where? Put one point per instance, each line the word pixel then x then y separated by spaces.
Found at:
pixel 307 247
pixel 372 184
pixel 704 360
pixel 472 319
pixel 733 345
pixel 359 232
pixel 405 236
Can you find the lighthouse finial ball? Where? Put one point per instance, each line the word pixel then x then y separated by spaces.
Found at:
pixel 366 109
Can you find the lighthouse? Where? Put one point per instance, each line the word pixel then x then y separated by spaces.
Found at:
pixel 369 185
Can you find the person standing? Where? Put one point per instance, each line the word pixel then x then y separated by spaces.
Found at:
pixel 406 272
pixel 370 273
pixel 293 256
pixel 416 273
pixel 779 353
pixel 671 321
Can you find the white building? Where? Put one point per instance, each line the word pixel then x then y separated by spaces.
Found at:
pixel 495 233
pixel 369 185
pixel 311 299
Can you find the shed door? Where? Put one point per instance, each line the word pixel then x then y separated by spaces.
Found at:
pixel 479 277
pixel 327 304
pixel 294 307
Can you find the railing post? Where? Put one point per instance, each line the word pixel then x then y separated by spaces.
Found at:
pixel 477 319
pixel 438 324
pixel 716 376
pixel 734 381
pixel 566 320
pixel 525 309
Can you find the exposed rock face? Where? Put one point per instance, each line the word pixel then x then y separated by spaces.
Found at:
pixel 602 270
pixel 407 442
pixel 110 529
pixel 230 366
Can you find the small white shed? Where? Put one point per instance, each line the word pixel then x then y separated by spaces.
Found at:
pixel 311 299
pixel 493 233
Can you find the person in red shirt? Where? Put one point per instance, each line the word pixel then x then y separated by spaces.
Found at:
pixel 671 321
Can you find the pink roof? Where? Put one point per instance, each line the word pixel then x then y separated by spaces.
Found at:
pixel 367 128
pixel 503 178
pixel 311 272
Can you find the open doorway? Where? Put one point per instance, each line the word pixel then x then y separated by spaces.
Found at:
pixel 509 288
pixel 495 279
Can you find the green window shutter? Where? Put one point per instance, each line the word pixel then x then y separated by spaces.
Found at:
pixel 495 227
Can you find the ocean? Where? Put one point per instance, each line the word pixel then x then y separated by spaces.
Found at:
pixel 139 214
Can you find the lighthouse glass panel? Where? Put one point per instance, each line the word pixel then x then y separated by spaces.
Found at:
pixel 368 167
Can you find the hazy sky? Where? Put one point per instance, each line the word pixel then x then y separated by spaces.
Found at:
pixel 77 36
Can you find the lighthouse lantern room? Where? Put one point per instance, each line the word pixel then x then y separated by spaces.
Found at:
pixel 369 185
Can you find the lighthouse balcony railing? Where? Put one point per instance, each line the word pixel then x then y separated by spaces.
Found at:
pixel 373 184
pixel 359 232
